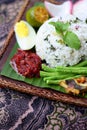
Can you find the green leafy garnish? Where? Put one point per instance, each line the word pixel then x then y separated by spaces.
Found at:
pixel 69 38
pixel 60 26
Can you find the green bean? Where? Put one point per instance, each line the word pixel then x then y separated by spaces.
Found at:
pixel 81 64
pixel 58 77
pixel 48 74
pixel 49 69
pixel 76 70
pixel 58 81
pixel 60 73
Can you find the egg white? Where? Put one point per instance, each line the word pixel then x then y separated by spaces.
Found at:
pixel 26 42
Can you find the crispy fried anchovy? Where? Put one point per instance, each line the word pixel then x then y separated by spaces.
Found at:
pixel 75 86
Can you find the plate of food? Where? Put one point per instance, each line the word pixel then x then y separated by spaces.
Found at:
pixel 46 53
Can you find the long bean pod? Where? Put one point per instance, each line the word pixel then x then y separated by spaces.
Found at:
pixel 48 74
pixel 47 68
pixel 58 81
pixel 81 64
pixel 58 77
pixel 76 70
pixel 62 73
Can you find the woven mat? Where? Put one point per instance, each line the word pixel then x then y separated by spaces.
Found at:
pixel 20 111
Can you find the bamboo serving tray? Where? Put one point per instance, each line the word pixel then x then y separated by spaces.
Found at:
pixel 24 87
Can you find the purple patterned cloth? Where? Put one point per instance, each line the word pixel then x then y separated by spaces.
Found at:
pixel 20 111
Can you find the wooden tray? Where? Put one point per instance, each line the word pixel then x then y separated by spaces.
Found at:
pixel 26 88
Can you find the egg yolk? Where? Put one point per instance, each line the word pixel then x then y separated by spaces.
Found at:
pixel 22 29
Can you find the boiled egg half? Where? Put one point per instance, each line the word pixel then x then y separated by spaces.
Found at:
pixel 25 35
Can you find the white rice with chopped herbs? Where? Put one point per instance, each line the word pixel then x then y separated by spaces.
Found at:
pixel 50 48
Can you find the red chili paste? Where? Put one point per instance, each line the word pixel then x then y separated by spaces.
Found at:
pixel 26 63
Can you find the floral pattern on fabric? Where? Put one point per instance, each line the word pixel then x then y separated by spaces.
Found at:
pixel 20 111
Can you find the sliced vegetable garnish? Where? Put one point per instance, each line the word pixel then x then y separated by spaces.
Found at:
pixel 62 9
pixel 80 9
pixel 41 14
pixel 37 15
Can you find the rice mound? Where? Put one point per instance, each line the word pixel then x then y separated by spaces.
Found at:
pixel 50 49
